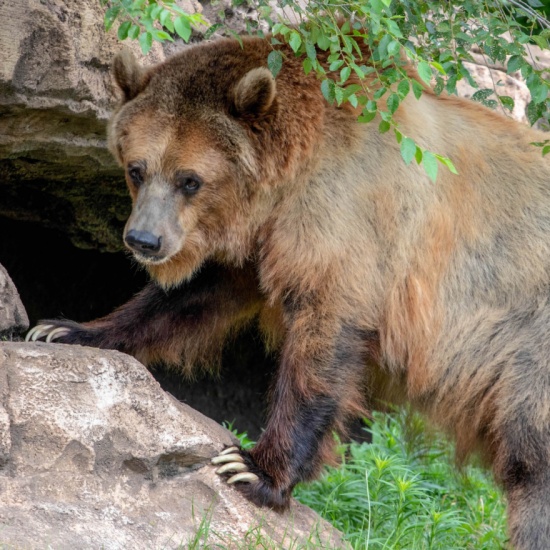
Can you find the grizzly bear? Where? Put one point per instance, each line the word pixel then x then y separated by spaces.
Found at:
pixel 255 198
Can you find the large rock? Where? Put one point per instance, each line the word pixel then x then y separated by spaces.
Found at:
pixel 93 454
pixel 13 317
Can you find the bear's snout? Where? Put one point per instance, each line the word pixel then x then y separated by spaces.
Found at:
pixel 143 242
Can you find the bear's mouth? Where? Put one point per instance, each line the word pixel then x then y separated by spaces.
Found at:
pixel 150 260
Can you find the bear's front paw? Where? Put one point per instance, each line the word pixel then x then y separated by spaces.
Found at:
pixel 237 466
pixel 47 332
pixel 234 463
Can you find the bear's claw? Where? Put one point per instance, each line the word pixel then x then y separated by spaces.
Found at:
pixel 233 462
pixel 232 467
pixel 36 332
pixel 50 332
pixel 231 457
pixel 57 333
pixel 247 477
pixel 229 450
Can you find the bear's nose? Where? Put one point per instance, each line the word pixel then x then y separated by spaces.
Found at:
pixel 144 242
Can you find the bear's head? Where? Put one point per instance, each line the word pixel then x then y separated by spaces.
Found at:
pixel 191 134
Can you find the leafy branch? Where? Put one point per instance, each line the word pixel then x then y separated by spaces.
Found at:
pixel 360 49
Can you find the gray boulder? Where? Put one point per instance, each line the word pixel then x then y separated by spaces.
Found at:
pixel 13 317
pixel 93 454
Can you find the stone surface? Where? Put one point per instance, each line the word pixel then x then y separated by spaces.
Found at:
pixel 492 74
pixel 93 454
pixel 508 85
pixel 55 98
pixel 13 317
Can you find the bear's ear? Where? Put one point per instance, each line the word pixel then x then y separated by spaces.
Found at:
pixel 254 94
pixel 129 75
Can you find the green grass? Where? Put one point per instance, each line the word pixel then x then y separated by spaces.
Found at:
pixel 403 491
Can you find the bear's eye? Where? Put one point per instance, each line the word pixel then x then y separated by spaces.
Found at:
pixel 135 172
pixel 189 183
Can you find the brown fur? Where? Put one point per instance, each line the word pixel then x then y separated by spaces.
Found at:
pixel 368 278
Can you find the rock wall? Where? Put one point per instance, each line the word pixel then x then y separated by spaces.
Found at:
pixel 55 99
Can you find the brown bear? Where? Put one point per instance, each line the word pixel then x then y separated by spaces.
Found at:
pixel 254 197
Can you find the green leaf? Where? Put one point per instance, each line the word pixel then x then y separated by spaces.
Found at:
pixel 323 42
pixel 380 92
pixel 353 100
pixel 274 62
pixel 540 41
pixel 182 27
pixel 408 149
pixel 344 74
pixel 515 63
pixel 539 93
pixel 418 155
pixel 133 33
pixel 295 41
pixel 394 48
pixel 371 106
pixel 376 6
pixel 438 67
pixel 307 65
pixel 447 162
pixel 507 102
pixel 418 90
pixel 534 111
pixel 545 150
pixel 110 17
pixel 383 46
pixel 335 65
pixel 339 94
pixel 384 126
pixel 160 36
pixel 311 51
pixel 403 88
pixel 211 30
pixel 122 33
pixel 279 28
pixel 353 88
pixel 327 89
pixel 482 95
pixel 429 162
pixel 393 27
pixel 425 72
pixel 366 117
pixel 393 102
pixel 145 41
pixel 155 12
pixel 166 20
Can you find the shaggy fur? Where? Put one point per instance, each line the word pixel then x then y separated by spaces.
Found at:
pixel 371 281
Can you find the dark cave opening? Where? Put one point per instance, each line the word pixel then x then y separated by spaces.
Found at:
pixel 56 279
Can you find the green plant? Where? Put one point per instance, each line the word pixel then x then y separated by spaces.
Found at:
pixel 403 491
pixel 149 21
pixel 436 36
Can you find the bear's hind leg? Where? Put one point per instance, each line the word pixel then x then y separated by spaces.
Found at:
pixel 529 510
pixel 520 438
